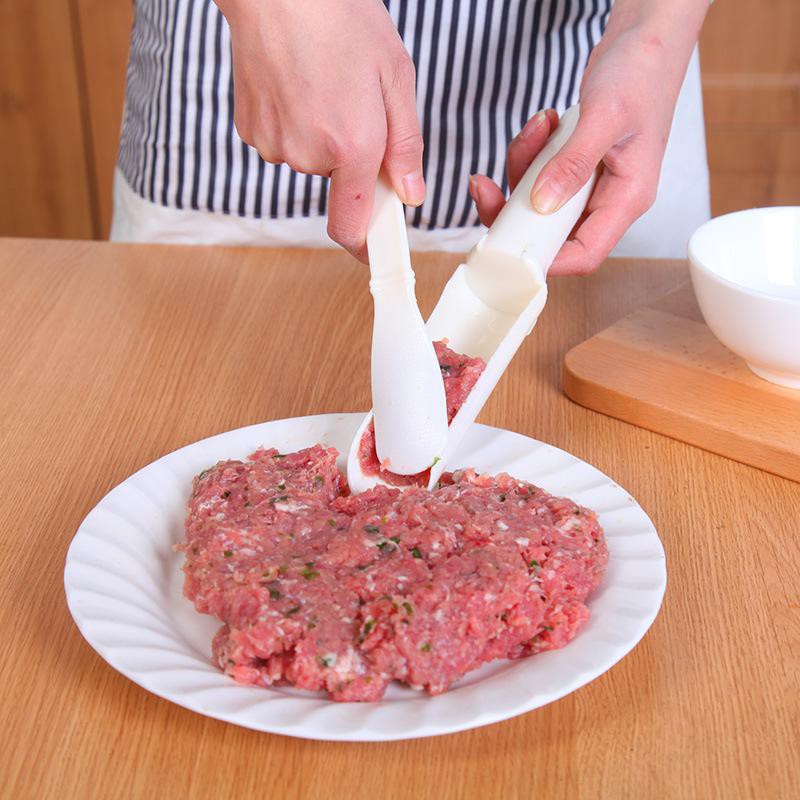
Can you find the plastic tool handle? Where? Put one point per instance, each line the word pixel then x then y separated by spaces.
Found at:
pixel 520 231
pixel 408 398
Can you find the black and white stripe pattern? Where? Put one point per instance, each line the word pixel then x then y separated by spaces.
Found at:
pixel 484 67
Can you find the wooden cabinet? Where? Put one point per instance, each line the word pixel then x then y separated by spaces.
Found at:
pixel 750 54
pixel 62 80
pixel 105 30
pixel 46 186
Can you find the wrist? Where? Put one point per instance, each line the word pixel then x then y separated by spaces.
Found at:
pixel 657 36
pixel 673 22
pixel 246 11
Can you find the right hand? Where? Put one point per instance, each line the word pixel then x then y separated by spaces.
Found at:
pixel 329 89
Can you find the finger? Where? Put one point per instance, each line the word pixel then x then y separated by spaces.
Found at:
pixel 528 142
pixel 350 205
pixel 488 197
pixel 269 144
pixel 616 203
pixel 573 165
pixel 269 152
pixel 403 158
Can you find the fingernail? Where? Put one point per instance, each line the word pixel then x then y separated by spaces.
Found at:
pixel 548 197
pixel 539 118
pixel 414 188
pixel 473 188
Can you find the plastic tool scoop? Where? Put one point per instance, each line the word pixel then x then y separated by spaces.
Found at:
pixel 408 398
pixel 491 302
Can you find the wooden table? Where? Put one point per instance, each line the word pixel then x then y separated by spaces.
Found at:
pixel 113 355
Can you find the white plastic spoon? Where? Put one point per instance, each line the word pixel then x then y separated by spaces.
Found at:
pixel 492 302
pixel 408 398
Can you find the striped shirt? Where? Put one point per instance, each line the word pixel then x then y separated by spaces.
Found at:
pixel 484 67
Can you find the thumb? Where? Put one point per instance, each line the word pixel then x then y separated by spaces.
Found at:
pixel 403 158
pixel 573 165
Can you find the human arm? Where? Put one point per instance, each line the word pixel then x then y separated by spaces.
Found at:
pixel 329 89
pixel 627 96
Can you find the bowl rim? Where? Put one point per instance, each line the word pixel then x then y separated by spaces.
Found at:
pixel 695 262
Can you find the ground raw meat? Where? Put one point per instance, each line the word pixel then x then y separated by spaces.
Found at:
pixel 459 373
pixel 340 593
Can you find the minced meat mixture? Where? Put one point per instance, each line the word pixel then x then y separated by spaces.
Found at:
pixel 344 594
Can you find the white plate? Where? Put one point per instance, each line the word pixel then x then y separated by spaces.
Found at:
pixel 123 584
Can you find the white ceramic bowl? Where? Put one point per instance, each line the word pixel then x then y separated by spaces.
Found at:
pixel 745 268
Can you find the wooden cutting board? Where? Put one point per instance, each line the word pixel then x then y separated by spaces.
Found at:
pixel 661 368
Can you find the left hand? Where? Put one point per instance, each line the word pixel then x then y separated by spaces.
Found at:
pixel 627 98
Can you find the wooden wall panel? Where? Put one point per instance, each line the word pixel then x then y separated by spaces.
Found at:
pixel 752 37
pixel 767 100
pixel 46 183
pixel 105 30
pixel 750 54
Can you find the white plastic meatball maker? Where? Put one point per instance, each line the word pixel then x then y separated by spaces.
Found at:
pixel 488 307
